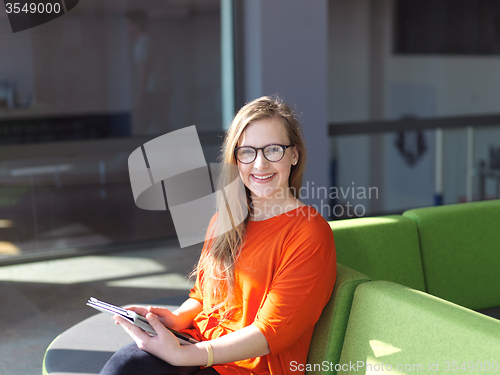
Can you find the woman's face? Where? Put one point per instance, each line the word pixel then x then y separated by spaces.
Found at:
pixel 259 134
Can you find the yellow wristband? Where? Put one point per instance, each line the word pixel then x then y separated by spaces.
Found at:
pixel 210 354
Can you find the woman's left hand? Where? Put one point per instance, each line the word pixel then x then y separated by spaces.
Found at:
pixel 247 342
pixel 164 345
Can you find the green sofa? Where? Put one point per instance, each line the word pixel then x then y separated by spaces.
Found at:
pixel 431 260
pixel 329 331
pixel 383 248
pixel 460 249
pixel 396 329
pixel 452 252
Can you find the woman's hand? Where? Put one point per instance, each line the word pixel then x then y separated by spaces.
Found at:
pixel 164 345
pixel 244 343
pixel 164 315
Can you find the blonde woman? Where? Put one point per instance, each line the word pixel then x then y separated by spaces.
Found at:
pixel 260 287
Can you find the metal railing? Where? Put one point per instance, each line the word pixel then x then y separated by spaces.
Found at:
pixel 439 124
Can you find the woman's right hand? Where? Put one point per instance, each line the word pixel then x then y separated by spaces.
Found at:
pixel 164 315
pixel 180 319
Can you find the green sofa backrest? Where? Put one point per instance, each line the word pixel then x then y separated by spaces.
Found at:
pixel 460 247
pixel 329 331
pixel 382 248
pixel 390 324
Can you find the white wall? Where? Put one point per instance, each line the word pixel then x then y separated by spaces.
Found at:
pixel 348 54
pixel 285 47
pixel 349 98
pixel 463 85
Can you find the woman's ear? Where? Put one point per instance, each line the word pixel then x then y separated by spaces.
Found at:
pixel 295 156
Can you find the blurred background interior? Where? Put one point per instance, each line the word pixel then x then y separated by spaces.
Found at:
pixel 399 101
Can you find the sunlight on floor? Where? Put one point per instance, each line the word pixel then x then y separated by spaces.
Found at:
pixel 8 248
pixel 79 270
pixel 165 281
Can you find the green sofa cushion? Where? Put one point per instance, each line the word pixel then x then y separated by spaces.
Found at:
pixel 330 329
pixel 396 325
pixel 382 248
pixel 460 246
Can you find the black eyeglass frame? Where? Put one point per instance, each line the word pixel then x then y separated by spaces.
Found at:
pixel 256 149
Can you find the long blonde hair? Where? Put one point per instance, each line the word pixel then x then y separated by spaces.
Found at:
pixel 216 267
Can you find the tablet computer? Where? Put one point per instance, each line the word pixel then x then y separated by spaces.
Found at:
pixel 135 319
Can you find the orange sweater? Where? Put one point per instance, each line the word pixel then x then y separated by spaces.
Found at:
pixel 286 271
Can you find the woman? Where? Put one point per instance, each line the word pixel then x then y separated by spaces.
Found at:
pixel 261 286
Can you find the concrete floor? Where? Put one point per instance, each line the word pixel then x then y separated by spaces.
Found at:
pixel 40 300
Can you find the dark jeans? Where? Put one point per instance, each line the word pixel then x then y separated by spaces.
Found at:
pixel 130 360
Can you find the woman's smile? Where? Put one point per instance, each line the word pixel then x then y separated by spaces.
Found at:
pixel 259 178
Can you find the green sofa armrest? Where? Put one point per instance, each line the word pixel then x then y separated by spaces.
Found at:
pixel 393 325
pixel 382 248
pixel 460 247
pixel 330 329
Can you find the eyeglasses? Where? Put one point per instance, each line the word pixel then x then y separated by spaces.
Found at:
pixel 272 153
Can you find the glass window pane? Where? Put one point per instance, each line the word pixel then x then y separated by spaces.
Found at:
pixel 78 94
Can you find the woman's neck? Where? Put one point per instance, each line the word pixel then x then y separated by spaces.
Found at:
pixel 266 208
